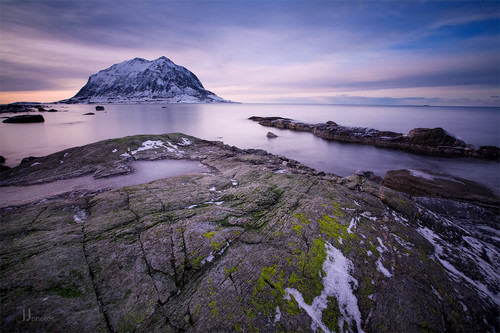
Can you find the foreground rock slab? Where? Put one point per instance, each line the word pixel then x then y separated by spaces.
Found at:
pixel 427 141
pixel 260 242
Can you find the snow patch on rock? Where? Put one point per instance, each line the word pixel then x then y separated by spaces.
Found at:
pixel 338 283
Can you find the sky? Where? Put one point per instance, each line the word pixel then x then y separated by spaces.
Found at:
pixel 406 52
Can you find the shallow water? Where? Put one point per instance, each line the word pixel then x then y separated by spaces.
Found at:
pixel 229 123
pixel 144 172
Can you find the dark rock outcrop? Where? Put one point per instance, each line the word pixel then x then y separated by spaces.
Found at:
pixel 260 243
pixel 271 135
pixel 18 107
pixel 427 141
pixel 25 118
pixel 27 159
pixel 369 175
pixel 3 167
pixel 425 183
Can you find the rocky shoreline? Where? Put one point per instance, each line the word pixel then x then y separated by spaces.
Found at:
pixel 258 242
pixel 426 141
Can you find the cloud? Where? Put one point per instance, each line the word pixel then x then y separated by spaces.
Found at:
pixel 256 48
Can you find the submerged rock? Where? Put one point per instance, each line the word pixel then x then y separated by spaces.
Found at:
pixel 259 243
pixel 427 141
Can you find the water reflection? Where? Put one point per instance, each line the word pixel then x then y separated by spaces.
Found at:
pixel 229 123
pixel 144 172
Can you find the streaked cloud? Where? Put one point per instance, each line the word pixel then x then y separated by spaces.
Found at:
pixel 259 51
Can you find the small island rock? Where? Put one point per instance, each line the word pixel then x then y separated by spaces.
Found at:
pixel 26 118
pixel 271 135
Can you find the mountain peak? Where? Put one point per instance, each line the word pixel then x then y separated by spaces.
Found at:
pixel 140 80
pixel 137 60
pixel 163 58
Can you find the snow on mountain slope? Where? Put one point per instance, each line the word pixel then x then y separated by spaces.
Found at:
pixel 143 81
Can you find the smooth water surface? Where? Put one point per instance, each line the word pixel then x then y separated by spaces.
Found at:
pixel 144 172
pixel 229 123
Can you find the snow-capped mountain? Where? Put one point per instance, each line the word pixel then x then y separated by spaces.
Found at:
pixel 143 81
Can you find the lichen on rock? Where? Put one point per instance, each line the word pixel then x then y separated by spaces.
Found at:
pixel 239 248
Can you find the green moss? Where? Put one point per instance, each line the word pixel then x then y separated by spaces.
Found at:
pixel 336 209
pixel 217 246
pixel 303 220
pixel 293 279
pixel 210 287
pixel 230 270
pixel 250 313
pixel 214 310
pixel 276 190
pixel 291 306
pixel 310 264
pixel 298 229
pixel 196 263
pixel 334 229
pixel 268 290
pixel 330 315
pixel 197 310
pixel 210 234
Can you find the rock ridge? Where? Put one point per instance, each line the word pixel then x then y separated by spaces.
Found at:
pixel 260 242
pixel 426 141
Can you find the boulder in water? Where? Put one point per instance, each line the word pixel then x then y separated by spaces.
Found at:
pixel 25 118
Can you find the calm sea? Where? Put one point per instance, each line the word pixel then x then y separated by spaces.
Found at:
pixel 228 122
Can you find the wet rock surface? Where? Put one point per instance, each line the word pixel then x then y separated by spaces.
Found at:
pixel 427 141
pixel 260 242
pixel 426 183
